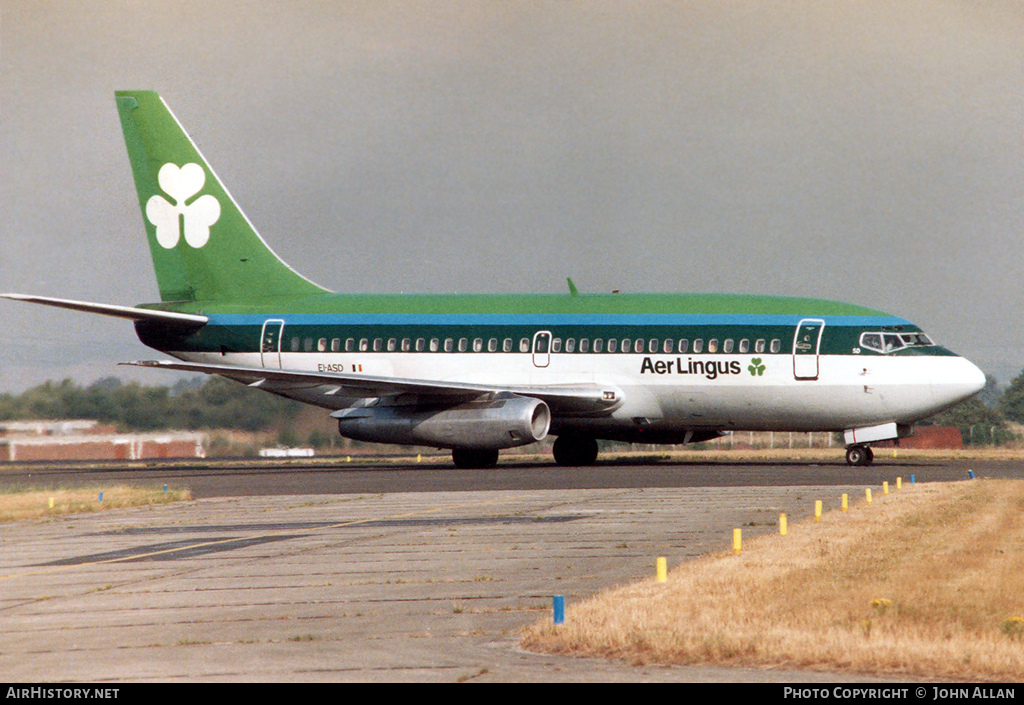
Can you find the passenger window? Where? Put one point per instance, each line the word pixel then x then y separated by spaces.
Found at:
pixel 598 345
pixel 667 346
pixel 556 345
pixel 524 345
pixel 478 344
pixel 307 344
pixel 683 346
pixel 584 345
pixel 392 344
pixel 449 344
pixel 506 345
pixel 463 344
pixel 406 345
pixel 570 345
pixel 492 345
pixel 759 346
pixel 335 344
pixel 350 344
pixel 727 345
pixel 744 346
pixel 420 344
pixel 713 345
pixel 652 346
pixel 435 345
pixel 776 345
pixel 364 344
pixel 638 346
pixel 627 344
pixel 295 344
pixel 613 345
pixel 321 345
pixel 698 345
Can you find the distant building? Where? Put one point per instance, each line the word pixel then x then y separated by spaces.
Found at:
pixel 286 452
pixel 25 441
pixel 930 437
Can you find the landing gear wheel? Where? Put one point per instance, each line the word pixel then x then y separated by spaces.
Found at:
pixel 575 450
pixel 473 458
pixel 859 455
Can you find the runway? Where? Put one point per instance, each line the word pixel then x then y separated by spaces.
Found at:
pixel 384 584
pixel 214 478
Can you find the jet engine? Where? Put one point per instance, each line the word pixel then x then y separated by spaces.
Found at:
pixel 502 421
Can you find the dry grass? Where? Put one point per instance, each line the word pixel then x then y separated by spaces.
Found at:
pixel 927 581
pixel 35 504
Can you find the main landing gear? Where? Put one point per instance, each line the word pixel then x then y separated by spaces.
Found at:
pixel 575 450
pixel 859 455
pixel 474 459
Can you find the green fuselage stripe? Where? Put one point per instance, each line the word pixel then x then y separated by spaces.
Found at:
pixel 336 334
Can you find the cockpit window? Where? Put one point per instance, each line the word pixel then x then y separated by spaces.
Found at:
pixel 911 339
pixel 891 342
pixel 872 341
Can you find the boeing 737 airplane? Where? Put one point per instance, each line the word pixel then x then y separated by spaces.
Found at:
pixel 479 373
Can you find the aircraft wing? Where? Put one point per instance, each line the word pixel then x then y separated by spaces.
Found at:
pixel 571 399
pixel 187 320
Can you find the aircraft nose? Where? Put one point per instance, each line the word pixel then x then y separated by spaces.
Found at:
pixel 966 380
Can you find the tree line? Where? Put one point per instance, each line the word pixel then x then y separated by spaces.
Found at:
pixel 216 403
pixel 197 404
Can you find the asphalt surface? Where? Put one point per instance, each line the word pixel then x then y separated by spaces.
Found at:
pixel 416 573
pixel 210 479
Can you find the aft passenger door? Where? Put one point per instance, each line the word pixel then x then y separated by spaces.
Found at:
pixel 806 347
pixel 270 343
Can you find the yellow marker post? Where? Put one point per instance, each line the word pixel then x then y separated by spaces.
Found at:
pixel 783 531
pixel 899 483
pixel 867 493
pixel 662 570
pixel 419 457
pixel 51 502
pixel 817 510
pixel 846 502
pixel 885 487
pixel 737 541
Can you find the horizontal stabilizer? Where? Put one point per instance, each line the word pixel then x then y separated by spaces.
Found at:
pixel 186 320
pixel 578 399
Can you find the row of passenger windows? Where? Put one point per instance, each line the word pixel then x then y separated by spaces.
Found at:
pixel 583 345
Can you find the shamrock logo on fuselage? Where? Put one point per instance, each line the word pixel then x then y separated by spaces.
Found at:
pixel 756 367
pixel 182 184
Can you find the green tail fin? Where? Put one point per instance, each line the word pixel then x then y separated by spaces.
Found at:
pixel 203 246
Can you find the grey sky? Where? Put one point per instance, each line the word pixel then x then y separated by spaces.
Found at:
pixel 871 152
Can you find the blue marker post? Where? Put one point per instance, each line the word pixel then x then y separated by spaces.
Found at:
pixel 970 474
pixel 101 496
pixel 165 489
pixel 911 479
pixel 558 603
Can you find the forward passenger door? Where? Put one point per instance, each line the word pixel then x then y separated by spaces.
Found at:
pixel 806 348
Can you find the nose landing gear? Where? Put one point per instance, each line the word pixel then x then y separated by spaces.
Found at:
pixel 859 455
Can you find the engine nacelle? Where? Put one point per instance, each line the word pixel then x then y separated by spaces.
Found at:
pixel 502 422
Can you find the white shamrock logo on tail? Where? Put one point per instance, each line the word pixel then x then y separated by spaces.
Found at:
pixel 181 185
